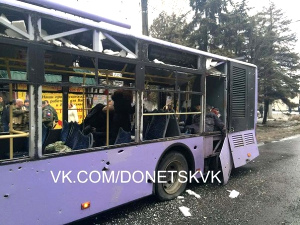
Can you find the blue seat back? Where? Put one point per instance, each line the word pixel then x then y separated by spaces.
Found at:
pixel 123 137
pixel 82 141
pixel 157 127
pixel 73 135
pixel 65 131
pixel 173 127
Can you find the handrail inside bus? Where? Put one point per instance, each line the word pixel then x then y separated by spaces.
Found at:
pixel 171 113
pixel 104 73
pixel 17 135
pixel 107 113
pixel 12 133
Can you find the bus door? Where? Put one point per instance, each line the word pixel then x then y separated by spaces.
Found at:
pixel 226 161
pixel 242 113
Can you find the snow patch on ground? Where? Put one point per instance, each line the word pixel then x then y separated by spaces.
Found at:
pixel 234 194
pixel 185 211
pixel 190 192
pixel 290 138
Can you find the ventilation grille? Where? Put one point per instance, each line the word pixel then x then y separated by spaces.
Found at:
pixel 241 140
pixel 237 141
pixel 238 92
pixel 249 139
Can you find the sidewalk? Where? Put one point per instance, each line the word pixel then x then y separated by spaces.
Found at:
pixel 281 126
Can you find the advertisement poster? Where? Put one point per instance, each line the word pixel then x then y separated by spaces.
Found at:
pixel 55 100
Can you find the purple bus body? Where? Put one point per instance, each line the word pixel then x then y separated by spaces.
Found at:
pixel 30 195
pixel 243 147
pixel 28 188
pixel 226 161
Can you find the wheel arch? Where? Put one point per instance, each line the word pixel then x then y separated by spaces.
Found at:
pixel 184 150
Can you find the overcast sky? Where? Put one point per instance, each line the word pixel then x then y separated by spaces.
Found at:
pixel 129 11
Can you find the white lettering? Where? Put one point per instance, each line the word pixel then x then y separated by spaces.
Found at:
pixel 97 173
pixel 55 179
pixel 204 180
pixel 78 177
pixel 172 175
pixel 182 174
pixel 215 176
pixel 149 177
pixel 161 174
pixel 107 179
pixel 122 177
pixel 66 176
pixel 142 176
pixel 193 176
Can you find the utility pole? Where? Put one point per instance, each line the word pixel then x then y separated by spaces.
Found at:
pixel 144 4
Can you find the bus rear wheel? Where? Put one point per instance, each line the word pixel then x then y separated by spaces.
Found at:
pixel 168 183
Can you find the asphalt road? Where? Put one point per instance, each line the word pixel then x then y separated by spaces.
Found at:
pixel 269 194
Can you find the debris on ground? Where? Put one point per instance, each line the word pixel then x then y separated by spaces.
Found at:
pixel 190 192
pixel 233 193
pixel 185 211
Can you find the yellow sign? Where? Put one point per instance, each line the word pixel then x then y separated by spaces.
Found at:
pixel 78 101
pixel 55 100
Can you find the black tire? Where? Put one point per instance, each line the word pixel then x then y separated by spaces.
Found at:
pixel 172 161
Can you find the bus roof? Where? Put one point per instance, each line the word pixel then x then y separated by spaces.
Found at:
pixel 58 15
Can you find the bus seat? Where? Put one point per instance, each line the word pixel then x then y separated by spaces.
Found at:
pixel 65 131
pixel 99 138
pixel 157 127
pixel 146 123
pixel 53 136
pixel 81 127
pixel 75 128
pixel 91 143
pixel 4 143
pixel 123 137
pixel 82 141
pixel 173 128
pixel 186 119
pixel 20 149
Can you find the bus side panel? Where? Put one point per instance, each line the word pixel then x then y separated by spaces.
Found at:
pixel 243 147
pixel 226 161
pixel 241 107
pixel 51 191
